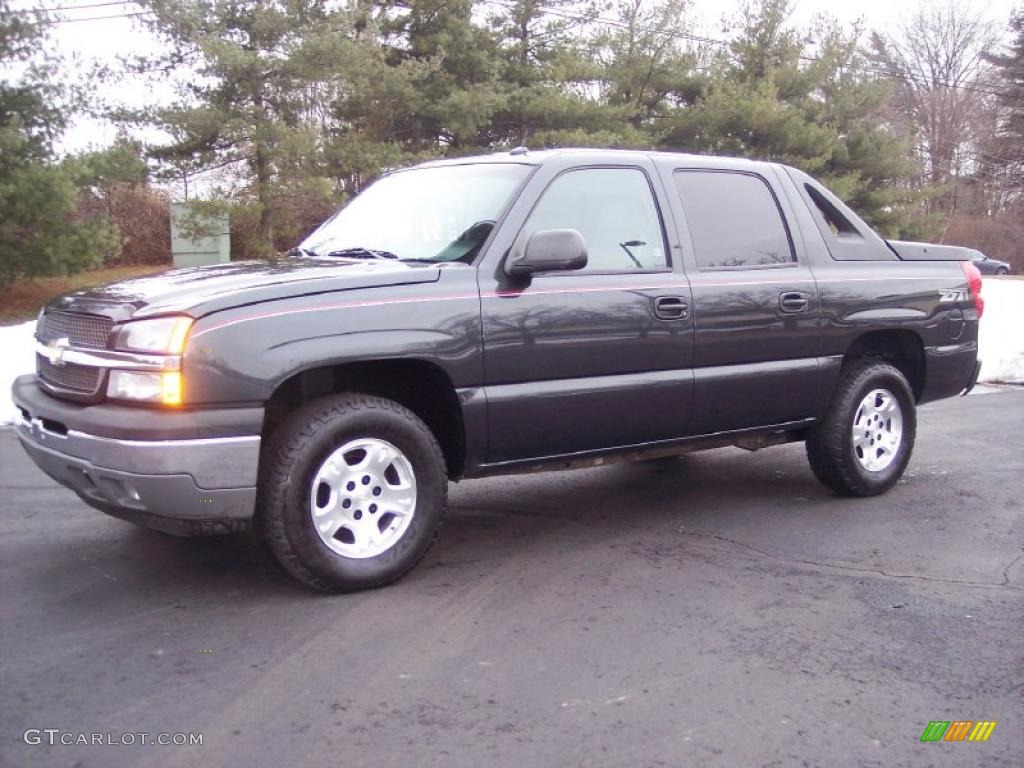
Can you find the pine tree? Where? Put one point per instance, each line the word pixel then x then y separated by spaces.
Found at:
pixel 41 231
pixel 306 102
pixel 1010 133
pixel 254 66
pixel 646 67
pixel 775 97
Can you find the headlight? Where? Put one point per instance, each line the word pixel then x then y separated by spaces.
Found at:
pixel 162 335
pixel 163 388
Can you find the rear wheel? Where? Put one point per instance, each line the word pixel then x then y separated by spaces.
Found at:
pixel 863 445
pixel 352 493
pixel 1002 271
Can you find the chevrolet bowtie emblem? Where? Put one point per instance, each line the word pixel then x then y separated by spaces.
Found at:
pixel 55 351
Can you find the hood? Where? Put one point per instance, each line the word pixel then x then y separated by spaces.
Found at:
pixel 201 290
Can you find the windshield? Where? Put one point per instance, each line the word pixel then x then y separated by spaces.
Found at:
pixel 435 214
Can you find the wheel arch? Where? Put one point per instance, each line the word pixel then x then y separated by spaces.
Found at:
pixel 900 347
pixel 420 385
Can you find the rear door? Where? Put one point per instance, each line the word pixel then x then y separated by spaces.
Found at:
pixel 755 300
pixel 596 358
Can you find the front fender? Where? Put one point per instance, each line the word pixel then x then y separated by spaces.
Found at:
pixel 242 355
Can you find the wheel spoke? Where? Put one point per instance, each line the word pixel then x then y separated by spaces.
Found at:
pixel 889 443
pixel 334 471
pixel 381 457
pixel 329 520
pixel 358 531
pixel 861 416
pixel 397 499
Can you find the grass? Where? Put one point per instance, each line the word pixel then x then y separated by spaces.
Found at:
pixel 22 300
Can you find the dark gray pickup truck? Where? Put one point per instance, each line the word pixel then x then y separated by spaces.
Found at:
pixel 508 313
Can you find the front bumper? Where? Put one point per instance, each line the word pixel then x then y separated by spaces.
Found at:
pixel 184 486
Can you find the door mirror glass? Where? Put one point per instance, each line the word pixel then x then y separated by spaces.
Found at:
pixel 549 250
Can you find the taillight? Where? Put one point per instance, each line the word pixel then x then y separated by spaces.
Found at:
pixel 974 283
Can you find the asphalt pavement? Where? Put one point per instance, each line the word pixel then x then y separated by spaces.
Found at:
pixel 719 610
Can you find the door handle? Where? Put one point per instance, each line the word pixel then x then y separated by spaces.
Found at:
pixel 671 308
pixel 794 302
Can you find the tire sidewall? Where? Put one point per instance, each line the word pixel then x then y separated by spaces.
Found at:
pixel 879 377
pixel 337 430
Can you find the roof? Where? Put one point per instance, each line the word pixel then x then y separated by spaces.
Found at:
pixel 538 157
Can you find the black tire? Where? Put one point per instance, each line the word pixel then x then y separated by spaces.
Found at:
pixel 288 467
pixel 830 448
pixel 1002 271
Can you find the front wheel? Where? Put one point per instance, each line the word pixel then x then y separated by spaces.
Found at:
pixel 1002 271
pixel 352 492
pixel 863 445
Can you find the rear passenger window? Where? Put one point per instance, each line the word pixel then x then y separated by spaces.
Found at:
pixel 614 210
pixel 734 220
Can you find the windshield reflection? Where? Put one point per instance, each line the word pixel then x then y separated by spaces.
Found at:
pixel 443 213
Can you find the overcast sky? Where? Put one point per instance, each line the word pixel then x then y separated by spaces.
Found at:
pixel 875 13
pixel 105 40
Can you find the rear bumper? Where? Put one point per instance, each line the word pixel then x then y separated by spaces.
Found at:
pixel 187 486
pixel 950 369
pixel 974 379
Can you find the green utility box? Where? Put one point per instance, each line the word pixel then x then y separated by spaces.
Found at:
pixel 213 247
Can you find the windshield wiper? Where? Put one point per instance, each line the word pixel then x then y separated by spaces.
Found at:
pixel 298 250
pixel 632 244
pixel 360 253
pixel 348 253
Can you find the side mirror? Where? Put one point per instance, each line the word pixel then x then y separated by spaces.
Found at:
pixel 550 250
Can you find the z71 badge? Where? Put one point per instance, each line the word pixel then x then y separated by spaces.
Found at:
pixel 949 294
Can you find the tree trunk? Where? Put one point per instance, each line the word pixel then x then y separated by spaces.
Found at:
pixel 265 228
pixel 524 67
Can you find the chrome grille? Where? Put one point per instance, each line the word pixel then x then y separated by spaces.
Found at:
pixel 76 378
pixel 80 330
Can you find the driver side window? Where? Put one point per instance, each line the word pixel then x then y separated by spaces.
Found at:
pixel 614 210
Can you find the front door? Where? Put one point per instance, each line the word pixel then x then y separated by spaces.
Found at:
pixel 595 358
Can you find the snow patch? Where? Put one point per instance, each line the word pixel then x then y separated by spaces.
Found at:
pixel 1001 342
pixel 1001 336
pixel 17 356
